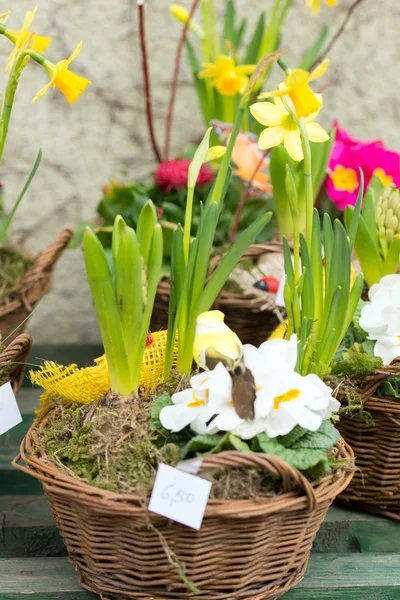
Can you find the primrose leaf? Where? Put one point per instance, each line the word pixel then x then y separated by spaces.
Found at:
pixel 159 404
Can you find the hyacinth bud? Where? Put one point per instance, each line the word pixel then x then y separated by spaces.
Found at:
pixel 387 213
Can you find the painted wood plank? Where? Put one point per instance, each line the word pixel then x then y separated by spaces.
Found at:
pixel 13 481
pixel 331 576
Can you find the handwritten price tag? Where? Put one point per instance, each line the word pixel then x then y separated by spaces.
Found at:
pixel 179 496
pixel 9 411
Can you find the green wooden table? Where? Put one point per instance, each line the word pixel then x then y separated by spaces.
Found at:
pixel 355 556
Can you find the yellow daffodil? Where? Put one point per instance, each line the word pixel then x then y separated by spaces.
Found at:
pixel 315 4
pixel 283 129
pixel 182 14
pixel 4 17
pixel 71 85
pixel 226 76
pixel 296 87
pixel 19 38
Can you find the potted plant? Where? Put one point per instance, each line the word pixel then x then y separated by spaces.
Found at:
pixel 25 279
pixel 256 420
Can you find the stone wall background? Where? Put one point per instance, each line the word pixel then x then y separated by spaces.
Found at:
pixel 104 132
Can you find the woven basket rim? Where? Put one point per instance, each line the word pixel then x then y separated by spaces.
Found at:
pixel 371 383
pixel 17 351
pixel 289 500
pixel 32 286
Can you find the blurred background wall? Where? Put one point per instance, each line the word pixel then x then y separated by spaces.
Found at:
pixel 104 132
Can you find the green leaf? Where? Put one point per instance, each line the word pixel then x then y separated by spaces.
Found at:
pixel 9 218
pixel 229 262
pixel 390 387
pixel 229 24
pixel 238 444
pixel 202 443
pixel 238 34
pixel 253 48
pixel 145 228
pixel 366 251
pixel 79 231
pixel 159 404
pixel 326 437
pixel 312 54
pixel 302 459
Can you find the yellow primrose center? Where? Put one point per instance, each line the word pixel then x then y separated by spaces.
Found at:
pixel 384 178
pixel 71 85
pixel 19 38
pixel 344 180
pixel 226 76
pixel 287 397
pixel 197 401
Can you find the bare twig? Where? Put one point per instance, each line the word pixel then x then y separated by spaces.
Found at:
pixel 243 199
pixel 146 80
pixel 174 86
pixel 338 34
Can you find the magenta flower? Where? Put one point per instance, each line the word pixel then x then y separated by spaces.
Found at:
pixel 173 174
pixel 348 155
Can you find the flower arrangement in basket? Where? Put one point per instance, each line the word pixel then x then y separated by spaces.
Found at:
pixel 221 63
pixel 249 429
pixel 25 280
pixel 367 363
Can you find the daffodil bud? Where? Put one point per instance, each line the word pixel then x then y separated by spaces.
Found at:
pixel 183 16
pixel 214 153
pixel 387 213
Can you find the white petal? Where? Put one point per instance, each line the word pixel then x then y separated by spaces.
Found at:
pixel 332 407
pixel 264 401
pixel 280 352
pixel 226 421
pixel 185 396
pixel 386 350
pixel 304 417
pixel 372 322
pixel 248 429
pixel 279 423
pixel 175 418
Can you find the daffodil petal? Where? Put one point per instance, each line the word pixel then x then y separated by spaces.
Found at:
pixel 292 143
pixel 42 92
pixel 245 69
pixel 274 94
pixel 319 71
pixel 11 59
pixel 40 43
pixel 297 77
pixel 316 133
pixel 75 53
pixel 267 114
pixel 271 137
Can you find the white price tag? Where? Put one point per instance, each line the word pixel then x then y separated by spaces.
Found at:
pixel 279 298
pixel 179 496
pixel 190 466
pixel 9 411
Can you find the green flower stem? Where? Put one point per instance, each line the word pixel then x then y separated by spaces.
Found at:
pixel 188 222
pixel 308 185
pixel 11 89
pixel 216 195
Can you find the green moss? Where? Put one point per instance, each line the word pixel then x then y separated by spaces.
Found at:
pixel 13 265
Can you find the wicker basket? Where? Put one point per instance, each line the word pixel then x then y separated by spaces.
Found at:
pixel 246 549
pixel 251 315
pixel 13 359
pixel 376 483
pixel 31 288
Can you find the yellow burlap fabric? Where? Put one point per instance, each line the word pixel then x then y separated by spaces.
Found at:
pixel 87 384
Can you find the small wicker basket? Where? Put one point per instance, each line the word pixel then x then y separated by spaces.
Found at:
pixel 376 483
pixel 251 315
pixel 253 549
pixel 31 288
pixel 13 359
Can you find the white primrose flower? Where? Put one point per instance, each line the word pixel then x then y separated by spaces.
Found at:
pixel 380 318
pixel 283 400
pixel 198 404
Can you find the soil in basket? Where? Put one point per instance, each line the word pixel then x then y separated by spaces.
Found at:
pixel 108 444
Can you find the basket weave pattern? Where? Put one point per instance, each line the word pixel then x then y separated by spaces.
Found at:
pixel 250 315
pixel 13 359
pixel 31 287
pixel 376 483
pixel 246 549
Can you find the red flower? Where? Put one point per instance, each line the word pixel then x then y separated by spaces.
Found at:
pixel 174 174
